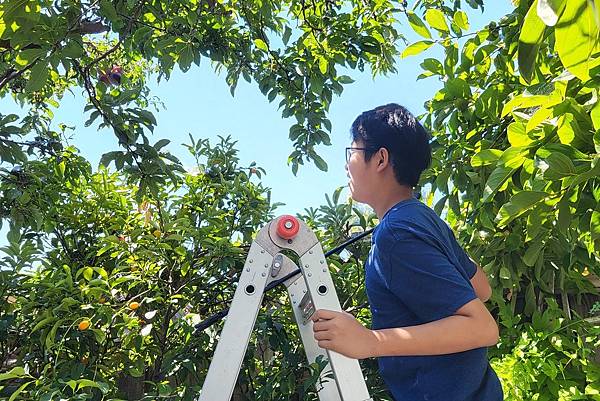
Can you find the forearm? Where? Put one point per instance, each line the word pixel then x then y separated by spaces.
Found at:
pixel 455 333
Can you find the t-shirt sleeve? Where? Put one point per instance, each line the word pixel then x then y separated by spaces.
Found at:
pixel 468 265
pixel 424 279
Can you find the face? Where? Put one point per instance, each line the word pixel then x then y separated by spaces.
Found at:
pixel 360 174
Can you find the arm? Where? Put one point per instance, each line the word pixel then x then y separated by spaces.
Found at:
pixel 470 327
pixel 480 284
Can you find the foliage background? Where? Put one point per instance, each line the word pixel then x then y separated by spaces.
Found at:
pixel 515 172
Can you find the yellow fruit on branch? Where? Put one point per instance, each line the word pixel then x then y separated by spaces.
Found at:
pixel 84 325
pixel 134 305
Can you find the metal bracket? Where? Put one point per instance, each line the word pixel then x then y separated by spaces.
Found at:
pixel 307 307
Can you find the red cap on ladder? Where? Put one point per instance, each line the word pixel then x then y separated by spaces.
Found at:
pixel 287 226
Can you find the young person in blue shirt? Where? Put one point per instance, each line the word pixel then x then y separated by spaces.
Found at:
pixel 430 327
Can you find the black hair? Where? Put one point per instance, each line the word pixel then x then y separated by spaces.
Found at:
pixel 393 127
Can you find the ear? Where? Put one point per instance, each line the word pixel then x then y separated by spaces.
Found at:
pixel 382 159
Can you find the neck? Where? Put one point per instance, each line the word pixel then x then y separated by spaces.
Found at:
pixel 387 199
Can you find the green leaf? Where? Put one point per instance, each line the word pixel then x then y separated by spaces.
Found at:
pixel 550 10
pixel 42 323
pixel 595 115
pixel 495 180
pixel 504 273
pixel 261 44
pixel 564 214
pixel 14 373
pixel 161 143
pixel 526 101
pixel 99 335
pixel 108 10
pixel 595 225
pixel 433 65
pixel 38 77
pixel 418 25
pixel 323 65
pixel 520 203
pixel 530 38
pixel 74 48
pixel 576 35
pixel 566 128
pixel 532 253
pixel 513 157
pixel 319 162
pixel 517 136
pixel 52 335
pixel 541 115
pixel 559 166
pixel 485 157
pixel 436 19
pixel 567 150
pixel 108 157
pixel 416 48
pixel 530 300
pixel 287 33
pixel 461 20
pixel 81 383
pixel 345 79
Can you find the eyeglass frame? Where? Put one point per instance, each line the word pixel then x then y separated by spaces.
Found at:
pixel 349 154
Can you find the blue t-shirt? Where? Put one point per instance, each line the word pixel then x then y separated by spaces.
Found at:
pixel 417 273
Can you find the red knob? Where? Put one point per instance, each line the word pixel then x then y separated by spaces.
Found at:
pixel 287 226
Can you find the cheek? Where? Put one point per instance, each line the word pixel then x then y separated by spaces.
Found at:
pixel 356 172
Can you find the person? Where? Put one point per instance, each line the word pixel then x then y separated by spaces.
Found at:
pixel 430 327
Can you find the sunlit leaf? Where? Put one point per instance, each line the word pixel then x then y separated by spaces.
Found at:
pixel 530 38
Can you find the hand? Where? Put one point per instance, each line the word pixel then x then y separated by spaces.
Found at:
pixel 342 333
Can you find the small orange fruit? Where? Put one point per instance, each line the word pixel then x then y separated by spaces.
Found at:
pixel 157 233
pixel 84 325
pixel 134 305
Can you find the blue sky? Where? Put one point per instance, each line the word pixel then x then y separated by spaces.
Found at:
pixel 199 103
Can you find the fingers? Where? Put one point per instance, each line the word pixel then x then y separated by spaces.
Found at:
pixel 326 344
pixel 323 335
pixel 322 325
pixel 323 314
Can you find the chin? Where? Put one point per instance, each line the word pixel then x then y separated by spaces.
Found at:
pixel 355 197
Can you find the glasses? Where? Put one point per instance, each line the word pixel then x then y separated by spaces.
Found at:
pixel 349 152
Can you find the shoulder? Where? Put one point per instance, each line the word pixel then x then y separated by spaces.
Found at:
pixel 390 235
pixel 413 217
